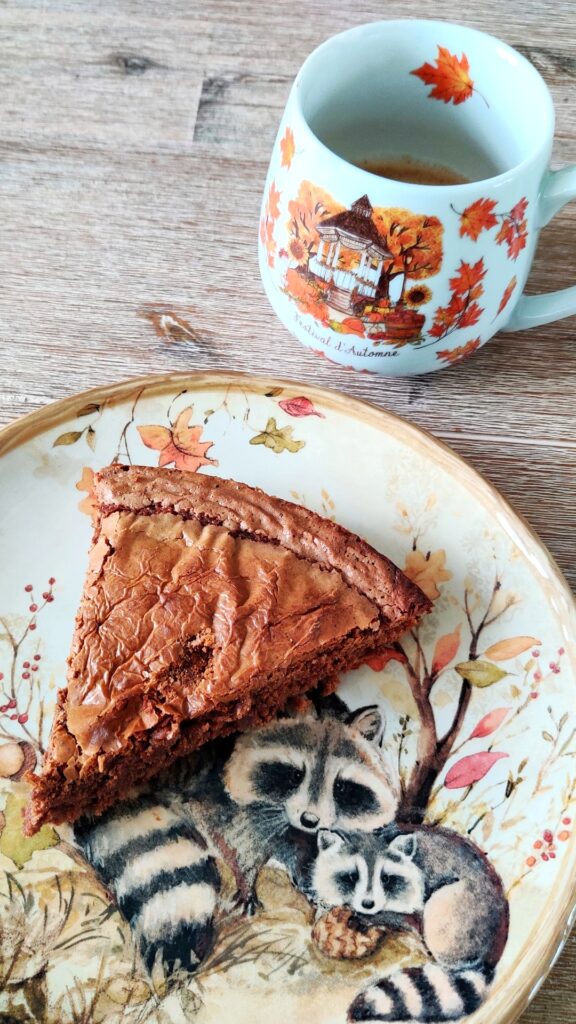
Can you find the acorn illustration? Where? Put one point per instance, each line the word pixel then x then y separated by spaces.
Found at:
pixel 15 759
pixel 341 935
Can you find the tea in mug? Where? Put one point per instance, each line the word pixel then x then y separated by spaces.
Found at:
pixel 409 169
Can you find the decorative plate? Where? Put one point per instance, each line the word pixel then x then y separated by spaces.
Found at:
pixel 478 708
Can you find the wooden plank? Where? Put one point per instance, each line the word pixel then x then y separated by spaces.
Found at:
pixel 123 234
pixel 239 111
pixel 106 81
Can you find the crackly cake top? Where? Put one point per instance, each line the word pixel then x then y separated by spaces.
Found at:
pixel 156 581
pixel 249 510
pixel 258 583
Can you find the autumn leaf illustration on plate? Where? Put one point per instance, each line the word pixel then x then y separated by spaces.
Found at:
pixel 480 673
pixel 300 406
pixel 445 650
pixel 511 648
pixel 472 769
pixel 86 483
pixel 427 571
pixel 448 76
pixel 13 843
pixel 72 436
pixel 278 439
pixel 287 148
pixel 377 662
pixel 489 723
pixel 179 444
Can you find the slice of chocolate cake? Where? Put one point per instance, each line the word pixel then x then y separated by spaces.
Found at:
pixel 207 606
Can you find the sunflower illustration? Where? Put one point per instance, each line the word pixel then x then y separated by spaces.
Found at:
pixel 418 295
pixel 297 250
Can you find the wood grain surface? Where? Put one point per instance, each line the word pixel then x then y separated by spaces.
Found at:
pixel 134 143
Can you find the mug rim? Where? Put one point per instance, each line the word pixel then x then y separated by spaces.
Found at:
pixel 383 24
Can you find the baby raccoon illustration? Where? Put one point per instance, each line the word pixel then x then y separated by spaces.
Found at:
pixel 431 880
pixel 260 797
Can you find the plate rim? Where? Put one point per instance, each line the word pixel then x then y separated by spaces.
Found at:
pixel 509 1001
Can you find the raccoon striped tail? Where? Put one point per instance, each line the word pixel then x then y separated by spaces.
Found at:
pixel 429 993
pixel 165 882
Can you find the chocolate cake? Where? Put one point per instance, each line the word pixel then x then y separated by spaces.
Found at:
pixel 207 606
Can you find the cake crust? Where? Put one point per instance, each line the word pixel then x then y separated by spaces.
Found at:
pixel 252 512
pixel 207 605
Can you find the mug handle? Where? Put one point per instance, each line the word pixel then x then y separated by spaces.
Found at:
pixel 559 188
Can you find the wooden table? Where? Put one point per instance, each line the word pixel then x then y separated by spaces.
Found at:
pixel 134 150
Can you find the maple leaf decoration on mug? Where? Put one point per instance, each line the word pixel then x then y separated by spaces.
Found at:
pixel 450 79
pixel 404 197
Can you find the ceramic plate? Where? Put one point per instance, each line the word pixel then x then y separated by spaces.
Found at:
pixel 481 699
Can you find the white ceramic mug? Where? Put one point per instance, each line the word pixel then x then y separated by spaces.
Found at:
pixel 404 278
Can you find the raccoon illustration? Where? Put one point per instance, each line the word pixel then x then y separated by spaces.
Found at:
pixel 260 797
pixel 431 880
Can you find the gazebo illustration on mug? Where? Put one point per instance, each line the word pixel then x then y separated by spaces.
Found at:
pixel 359 270
pixel 353 236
